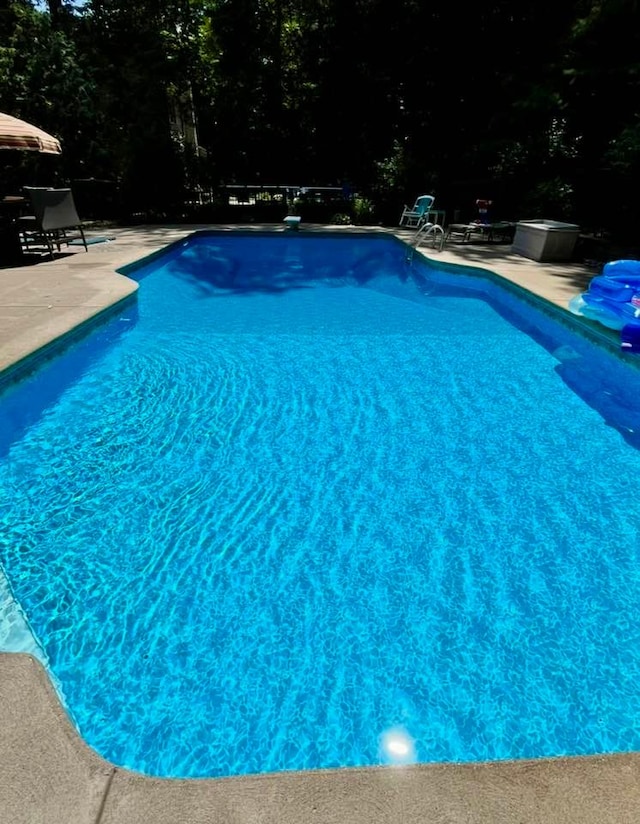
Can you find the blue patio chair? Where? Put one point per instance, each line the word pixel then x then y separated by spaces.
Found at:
pixel 416 215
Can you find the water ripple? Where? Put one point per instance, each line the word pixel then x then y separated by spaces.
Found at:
pixel 268 531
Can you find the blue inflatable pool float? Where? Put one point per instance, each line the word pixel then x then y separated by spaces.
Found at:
pixel 613 300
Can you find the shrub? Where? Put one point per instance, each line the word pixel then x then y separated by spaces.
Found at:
pixel 363 210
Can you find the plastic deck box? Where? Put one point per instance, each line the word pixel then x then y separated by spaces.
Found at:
pixel 545 239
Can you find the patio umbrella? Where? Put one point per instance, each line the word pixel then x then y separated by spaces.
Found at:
pixel 18 134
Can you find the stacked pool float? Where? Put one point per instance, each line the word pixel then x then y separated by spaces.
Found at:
pixel 613 299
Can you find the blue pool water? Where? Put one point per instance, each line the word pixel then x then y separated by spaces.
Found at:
pixel 300 496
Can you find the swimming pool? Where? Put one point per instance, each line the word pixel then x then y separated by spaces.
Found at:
pixel 302 496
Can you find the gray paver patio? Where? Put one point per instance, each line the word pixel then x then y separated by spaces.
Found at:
pixel 47 774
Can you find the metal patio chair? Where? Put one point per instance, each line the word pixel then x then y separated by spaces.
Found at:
pixel 55 220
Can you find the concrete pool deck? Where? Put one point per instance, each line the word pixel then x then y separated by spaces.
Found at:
pixel 47 773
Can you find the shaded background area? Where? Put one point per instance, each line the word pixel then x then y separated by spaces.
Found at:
pixel 160 105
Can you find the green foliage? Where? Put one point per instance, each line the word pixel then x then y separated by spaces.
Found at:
pixel 316 92
pixel 363 211
pixel 389 172
pixel 551 199
pixel 623 154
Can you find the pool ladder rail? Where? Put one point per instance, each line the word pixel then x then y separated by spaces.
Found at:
pixel 427 231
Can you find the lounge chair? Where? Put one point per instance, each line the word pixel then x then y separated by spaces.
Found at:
pixel 54 221
pixel 416 215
